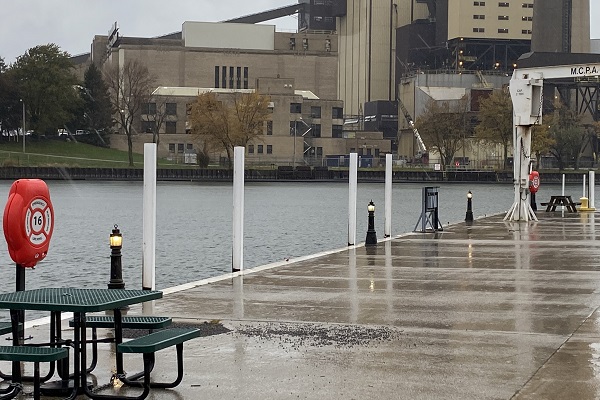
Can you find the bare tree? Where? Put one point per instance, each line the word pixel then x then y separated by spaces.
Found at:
pixel 225 122
pixel 129 87
pixel 443 127
pixel 496 120
pixel 160 115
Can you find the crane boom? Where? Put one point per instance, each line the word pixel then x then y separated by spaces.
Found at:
pixel 526 90
pixel 422 149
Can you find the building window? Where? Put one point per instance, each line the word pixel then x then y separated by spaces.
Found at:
pixel 223 77
pixel 148 126
pixel 527 5
pixel 502 30
pixel 480 30
pixel 171 147
pixel 171 108
pixel 230 77
pixel 245 77
pixel 503 4
pixel 250 149
pixel 479 3
pixel 170 127
pixel 526 18
pixel 478 16
pixel 292 43
pixel 217 80
pixel 149 108
pixel 259 149
pixel 376 152
pixel 319 152
pixel 238 77
pixel 503 17
pixel 295 108
pixel 180 148
pixel 316 130
pixel 526 31
pixel 189 146
pixel 315 112
pixel 327 44
pixel 269 149
pixel 369 151
pixel 305 43
pixel 336 131
pixel 337 113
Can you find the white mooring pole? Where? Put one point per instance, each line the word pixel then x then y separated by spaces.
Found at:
pixel 592 189
pixel 388 196
pixel 584 194
pixel 562 193
pixel 149 218
pixel 352 190
pixel 238 209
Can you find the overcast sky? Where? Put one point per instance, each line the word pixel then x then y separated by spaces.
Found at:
pixel 72 24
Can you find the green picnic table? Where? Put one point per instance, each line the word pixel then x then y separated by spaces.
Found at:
pixel 80 302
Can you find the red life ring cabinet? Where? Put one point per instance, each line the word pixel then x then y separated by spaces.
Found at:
pixel 534 181
pixel 28 221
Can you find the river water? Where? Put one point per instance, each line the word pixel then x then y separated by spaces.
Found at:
pixel 194 225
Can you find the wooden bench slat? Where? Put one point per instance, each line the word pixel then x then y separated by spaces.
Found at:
pixel 158 340
pixel 32 354
pixel 130 322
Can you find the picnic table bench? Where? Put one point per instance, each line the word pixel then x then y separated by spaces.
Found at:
pixel 127 322
pixel 556 201
pixel 36 355
pixel 148 345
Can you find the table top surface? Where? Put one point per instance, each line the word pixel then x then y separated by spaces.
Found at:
pixel 76 300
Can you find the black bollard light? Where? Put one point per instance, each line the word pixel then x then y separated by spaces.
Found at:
pixel 116 270
pixel 469 215
pixel 371 234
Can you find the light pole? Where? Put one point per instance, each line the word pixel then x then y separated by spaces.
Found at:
pixel 23 124
pixel 116 270
pixel 371 239
pixel 469 215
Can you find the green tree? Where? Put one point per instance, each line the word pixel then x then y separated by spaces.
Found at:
pixel 541 141
pixel 95 111
pixel 496 120
pixel 45 82
pixel 443 127
pixel 225 122
pixel 97 100
pixel 10 107
pixel 129 87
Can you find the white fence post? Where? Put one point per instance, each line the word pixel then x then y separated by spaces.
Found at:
pixel 149 218
pixel 238 210
pixel 388 196
pixel 352 190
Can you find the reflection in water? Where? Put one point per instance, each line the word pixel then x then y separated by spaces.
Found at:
pixel 353 282
pixel 238 297
pixel 389 283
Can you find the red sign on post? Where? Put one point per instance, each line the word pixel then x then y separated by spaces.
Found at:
pixel 28 221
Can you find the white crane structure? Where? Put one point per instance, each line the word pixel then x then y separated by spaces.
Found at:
pixel 526 91
pixel 422 149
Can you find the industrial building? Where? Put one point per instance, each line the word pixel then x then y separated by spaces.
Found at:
pixel 371 59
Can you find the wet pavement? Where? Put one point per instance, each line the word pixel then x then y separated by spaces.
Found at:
pixel 490 311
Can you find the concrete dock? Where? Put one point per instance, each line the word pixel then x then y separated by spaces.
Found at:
pixel 490 311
